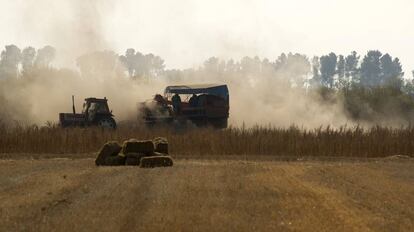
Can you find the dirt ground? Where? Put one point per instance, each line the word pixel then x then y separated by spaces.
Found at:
pixel 207 195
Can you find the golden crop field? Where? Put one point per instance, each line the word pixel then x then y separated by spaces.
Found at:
pixel 259 140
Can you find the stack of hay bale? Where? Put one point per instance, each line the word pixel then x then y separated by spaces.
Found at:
pixel 145 153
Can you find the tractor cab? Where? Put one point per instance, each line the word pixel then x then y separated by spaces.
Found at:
pixel 96 106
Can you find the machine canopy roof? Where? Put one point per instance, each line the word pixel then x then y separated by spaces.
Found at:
pixel 213 89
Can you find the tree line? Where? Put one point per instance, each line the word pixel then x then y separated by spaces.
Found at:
pixel 331 71
pixel 375 69
pixel 370 86
pixel 14 61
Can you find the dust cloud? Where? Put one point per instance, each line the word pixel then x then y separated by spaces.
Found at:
pixel 73 27
pixel 77 27
pixel 274 105
pixel 261 99
pixel 40 98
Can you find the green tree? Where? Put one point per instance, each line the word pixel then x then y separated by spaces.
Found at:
pixel 211 64
pixel 391 71
pixel 351 67
pixel 250 65
pixel 340 67
pixel 316 77
pixel 232 66
pixel 9 61
pixel 296 67
pixel 343 81
pixel 139 65
pixel 99 64
pixel 129 61
pixel 371 69
pixel 28 57
pixel 328 69
pixel 281 61
pixel 154 65
pixel 45 56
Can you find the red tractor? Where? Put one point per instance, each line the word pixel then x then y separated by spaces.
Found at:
pixel 203 105
pixel 95 113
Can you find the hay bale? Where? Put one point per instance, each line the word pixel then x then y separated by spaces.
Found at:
pixel 162 148
pixel 132 161
pixel 161 145
pixel 111 148
pixel 133 158
pixel 115 160
pixel 156 161
pixel 136 146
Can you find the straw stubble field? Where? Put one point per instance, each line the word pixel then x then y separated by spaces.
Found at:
pixel 257 179
pixel 207 195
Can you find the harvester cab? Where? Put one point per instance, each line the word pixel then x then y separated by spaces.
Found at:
pixel 203 104
pixel 95 112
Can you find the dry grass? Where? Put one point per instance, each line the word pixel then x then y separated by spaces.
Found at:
pixel 293 141
pixel 202 195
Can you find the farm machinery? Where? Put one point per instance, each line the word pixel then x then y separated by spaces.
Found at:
pixel 95 112
pixel 203 105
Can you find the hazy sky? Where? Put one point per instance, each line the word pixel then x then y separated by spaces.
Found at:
pixel 186 32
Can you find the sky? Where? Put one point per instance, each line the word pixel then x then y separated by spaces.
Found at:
pixel 185 33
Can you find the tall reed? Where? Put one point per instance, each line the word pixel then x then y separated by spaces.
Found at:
pixel 258 140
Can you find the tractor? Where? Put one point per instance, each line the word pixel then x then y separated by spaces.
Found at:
pixel 202 105
pixel 95 112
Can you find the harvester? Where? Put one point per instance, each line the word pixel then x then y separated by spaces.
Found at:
pixel 203 105
pixel 95 112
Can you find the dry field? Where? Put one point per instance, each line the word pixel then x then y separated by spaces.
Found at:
pixel 238 179
pixel 49 194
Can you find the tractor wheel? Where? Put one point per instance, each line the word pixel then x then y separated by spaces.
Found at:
pixel 107 123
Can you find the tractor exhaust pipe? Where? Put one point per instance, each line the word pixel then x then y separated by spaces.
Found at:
pixel 73 104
